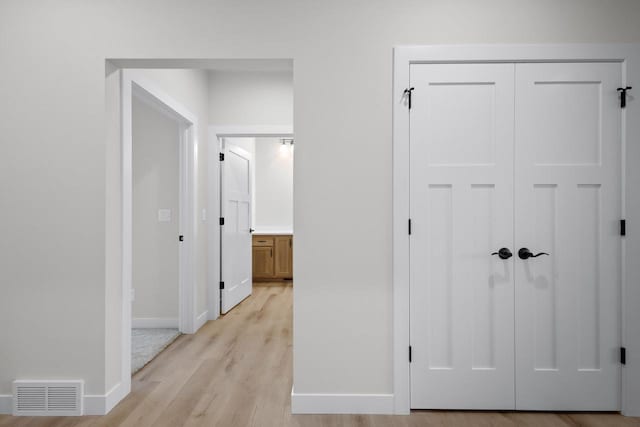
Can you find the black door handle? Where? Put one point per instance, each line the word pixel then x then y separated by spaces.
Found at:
pixel 503 253
pixel 525 253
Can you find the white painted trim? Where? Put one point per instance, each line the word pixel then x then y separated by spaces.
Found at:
pixel 102 404
pixel 213 230
pixel 6 404
pixel 202 319
pixel 127 228
pixel 132 84
pixel 312 403
pixel 113 397
pixel 154 322
pixel 188 223
pixel 629 56
pixel 400 238
pixel 216 132
pixel 256 131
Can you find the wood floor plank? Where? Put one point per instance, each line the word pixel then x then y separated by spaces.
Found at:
pixel 237 372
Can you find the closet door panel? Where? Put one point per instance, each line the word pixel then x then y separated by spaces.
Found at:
pixel 461 127
pixel 567 204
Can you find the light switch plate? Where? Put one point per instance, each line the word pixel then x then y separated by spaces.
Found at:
pixel 204 215
pixel 164 215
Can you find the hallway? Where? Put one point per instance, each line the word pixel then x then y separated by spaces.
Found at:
pixel 236 372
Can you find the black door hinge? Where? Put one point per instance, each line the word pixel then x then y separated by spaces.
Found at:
pixel 623 95
pixel 409 226
pixel 221 221
pixel 222 157
pixel 623 355
pixel 181 238
pixel 407 92
pixel 221 285
pixel 409 354
pixel 623 227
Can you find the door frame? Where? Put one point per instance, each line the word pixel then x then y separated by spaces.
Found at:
pixel 135 86
pixel 216 133
pixel 628 55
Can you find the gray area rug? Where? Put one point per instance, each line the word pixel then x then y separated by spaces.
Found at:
pixel 147 344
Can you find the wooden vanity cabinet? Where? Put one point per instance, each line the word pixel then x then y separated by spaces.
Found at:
pixel 272 257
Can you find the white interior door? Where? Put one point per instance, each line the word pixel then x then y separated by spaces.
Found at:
pixel 568 187
pixel 462 296
pixel 235 208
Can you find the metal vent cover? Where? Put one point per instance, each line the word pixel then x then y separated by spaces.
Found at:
pixel 50 398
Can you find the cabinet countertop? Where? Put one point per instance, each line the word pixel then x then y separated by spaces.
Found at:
pixel 273 233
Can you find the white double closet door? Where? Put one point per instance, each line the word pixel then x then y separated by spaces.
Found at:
pixel 515 156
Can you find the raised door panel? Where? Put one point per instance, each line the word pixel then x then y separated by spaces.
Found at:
pixel 568 205
pixel 283 261
pixel 461 313
pixel 263 265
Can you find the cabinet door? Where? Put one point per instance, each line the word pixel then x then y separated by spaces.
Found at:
pixel 284 264
pixel 263 262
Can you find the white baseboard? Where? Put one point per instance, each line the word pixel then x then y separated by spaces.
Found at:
pixel 102 404
pixel 202 319
pixel 154 322
pixel 6 404
pixel 311 403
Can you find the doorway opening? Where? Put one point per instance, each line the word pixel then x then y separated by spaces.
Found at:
pixel 159 158
pixel 181 95
pixel 156 223
pixel 256 211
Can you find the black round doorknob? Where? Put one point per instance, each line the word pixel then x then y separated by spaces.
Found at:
pixel 503 253
pixel 525 253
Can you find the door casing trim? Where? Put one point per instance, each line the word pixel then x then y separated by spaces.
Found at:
pixel 403 56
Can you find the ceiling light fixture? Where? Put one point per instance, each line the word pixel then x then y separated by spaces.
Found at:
pixel 283 146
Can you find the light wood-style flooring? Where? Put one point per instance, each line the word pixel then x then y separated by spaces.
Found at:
pixel 236 372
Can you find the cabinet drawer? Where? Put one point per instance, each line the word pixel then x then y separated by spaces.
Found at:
pixel 262 241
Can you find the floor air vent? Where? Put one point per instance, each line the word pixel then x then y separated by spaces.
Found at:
pixel 49 398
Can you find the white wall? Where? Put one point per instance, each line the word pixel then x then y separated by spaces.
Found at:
pixel 273 189
pixel 52 116
pixel 156 156
pixel 251 97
